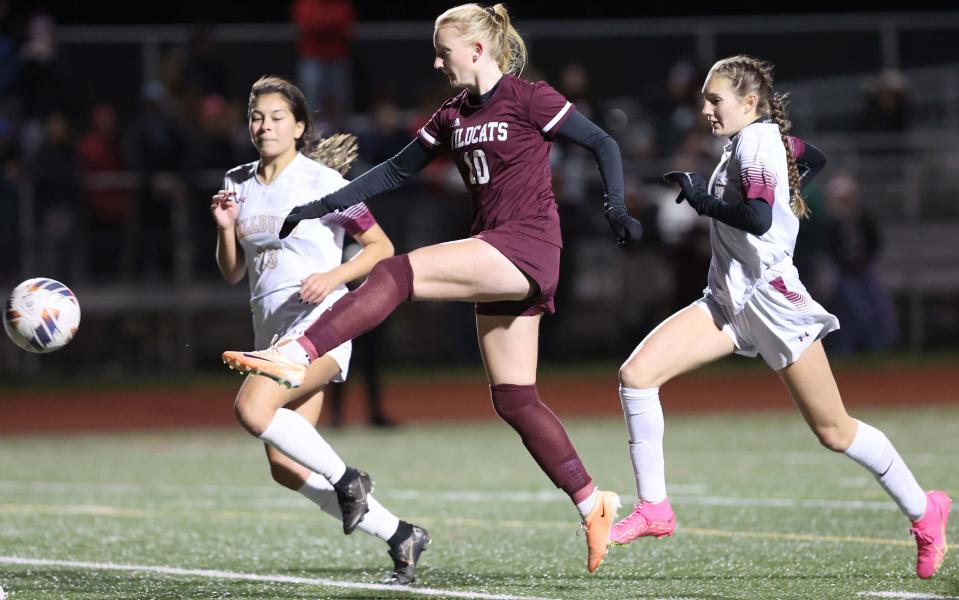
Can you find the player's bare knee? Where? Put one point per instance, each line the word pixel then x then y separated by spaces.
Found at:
pixel 832 437
pixel 251 416
pixel 637 374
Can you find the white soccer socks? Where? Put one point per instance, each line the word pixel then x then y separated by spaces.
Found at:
pixel 296 437
pixel 644 422
pixel 378 521
pixel 873 450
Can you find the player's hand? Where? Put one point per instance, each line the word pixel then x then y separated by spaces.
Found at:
pixel 317 286
pixel 313 210
pixel 224 208
pixel 626 228
pixel 693 187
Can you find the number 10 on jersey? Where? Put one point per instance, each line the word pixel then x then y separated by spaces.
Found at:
pixel 478 168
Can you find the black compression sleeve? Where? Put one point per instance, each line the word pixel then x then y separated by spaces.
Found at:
pixel 752 216
pixel 383 177
pixel 809 163
pixel 577 128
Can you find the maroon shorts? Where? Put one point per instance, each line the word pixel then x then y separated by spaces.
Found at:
pixel 538 260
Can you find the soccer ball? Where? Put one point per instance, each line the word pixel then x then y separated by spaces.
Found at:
pixel 42 315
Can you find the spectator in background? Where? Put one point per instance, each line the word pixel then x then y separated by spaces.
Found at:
pixel 574 83
pixel 44 82
pixel 108 206
pixel 10 226
pixel 213 145
pixel 204 72
pixel 56 185
pixel 386 137
pixel 157 144
pixel 887 105
pixel 368 350
pixel 323 48
pixel 645 300
pixel 858 297
pixel 9 57
pixel 678 111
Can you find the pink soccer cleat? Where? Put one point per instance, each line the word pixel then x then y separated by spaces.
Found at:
pixel 647 519
pixel 930 532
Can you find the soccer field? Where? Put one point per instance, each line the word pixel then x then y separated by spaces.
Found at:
pixel 763 512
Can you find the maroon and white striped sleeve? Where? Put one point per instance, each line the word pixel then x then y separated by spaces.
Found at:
pixel 431 135
pixel 354 220
pixel 757 173
pixel 796 146
pixel 548 109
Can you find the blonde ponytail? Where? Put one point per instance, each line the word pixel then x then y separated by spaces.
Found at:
pixel 493 24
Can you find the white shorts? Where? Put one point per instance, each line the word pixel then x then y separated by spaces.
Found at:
pixel 282 314
pixel 779 321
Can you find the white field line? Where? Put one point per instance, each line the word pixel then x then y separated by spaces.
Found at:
pixel 679 494
pixel 234 576
pixel 906 595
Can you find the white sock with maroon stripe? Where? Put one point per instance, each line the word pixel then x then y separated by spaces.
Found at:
pixel 873 450
pixel 644 422
pixel 379 521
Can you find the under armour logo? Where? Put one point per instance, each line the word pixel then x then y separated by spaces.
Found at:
pixel 803 336
pixel 456 122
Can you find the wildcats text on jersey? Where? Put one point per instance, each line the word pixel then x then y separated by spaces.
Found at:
pixel 475 134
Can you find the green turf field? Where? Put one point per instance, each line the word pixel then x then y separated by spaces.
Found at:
pixel 763 512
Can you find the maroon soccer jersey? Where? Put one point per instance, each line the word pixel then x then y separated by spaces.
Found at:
pixel 501 149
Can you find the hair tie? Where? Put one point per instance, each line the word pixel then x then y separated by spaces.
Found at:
pixel 491 10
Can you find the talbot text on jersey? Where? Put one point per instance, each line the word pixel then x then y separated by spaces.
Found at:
pixel 258 224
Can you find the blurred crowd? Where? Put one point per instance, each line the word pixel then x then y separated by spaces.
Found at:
pixel 95 194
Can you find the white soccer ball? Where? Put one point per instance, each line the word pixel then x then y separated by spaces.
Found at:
pixel 41 315
pixel 3 594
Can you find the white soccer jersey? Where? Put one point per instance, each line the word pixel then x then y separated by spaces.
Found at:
pixel 753 165
pixel 276 267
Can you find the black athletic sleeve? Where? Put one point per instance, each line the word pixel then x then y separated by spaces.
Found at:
pixel 752 216
pixel 384 177
pixel 810 161
pixel 580 130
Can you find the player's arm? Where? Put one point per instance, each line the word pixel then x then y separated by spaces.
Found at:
pixel 384 177
pixel 753 215
pixel 810 160
pixel 375 245
pixel 229 253
pixel 580 130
